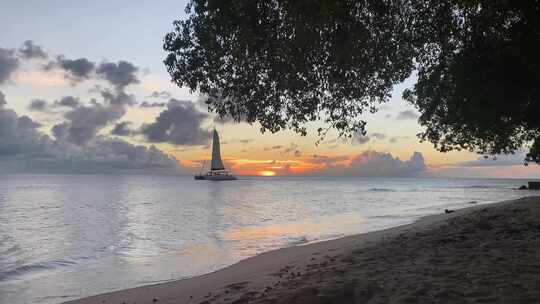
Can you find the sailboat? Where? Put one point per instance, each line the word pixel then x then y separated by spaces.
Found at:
pixel 217 170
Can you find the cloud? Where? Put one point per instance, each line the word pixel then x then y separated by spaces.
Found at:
pixel 379 136
pixel 30 51
pixel 76 70
pixel 25 149
pixel 245 141
pixel 3 101
pixel 19 135
pixel 119 74
pixel 292 148
pixel 122 129
pixel 120 98
pixel 407 115
pixel 284 150
pixel 146 104
pixel 68 101
pixel 360 139
pixel 372 164
pixel 179 124
pixel 324 159
pixel 38 105
pixel 8 64
pixel 203 102
pixel 160 94
pixel 241 141
pixel 84 122
pixel 396 139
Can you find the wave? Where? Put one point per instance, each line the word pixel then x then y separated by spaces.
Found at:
pixel 294 241
pixel 381 190
pixel 392 216
pixel 33 268
pixel 11 251
pixel 482 187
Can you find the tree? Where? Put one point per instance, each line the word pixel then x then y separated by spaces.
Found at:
pixel 284 63
pixel 478 75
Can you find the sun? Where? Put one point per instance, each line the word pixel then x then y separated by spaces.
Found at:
pixel 267 173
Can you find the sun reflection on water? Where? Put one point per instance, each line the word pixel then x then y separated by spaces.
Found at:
pixel 293 233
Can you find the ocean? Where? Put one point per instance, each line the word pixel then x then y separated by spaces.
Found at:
pixel 64 237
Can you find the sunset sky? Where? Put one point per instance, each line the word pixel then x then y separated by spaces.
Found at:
pixel 106 56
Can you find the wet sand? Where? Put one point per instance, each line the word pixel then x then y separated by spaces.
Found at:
pixel 483 254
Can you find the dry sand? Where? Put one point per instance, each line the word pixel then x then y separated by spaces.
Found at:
pixel 484 254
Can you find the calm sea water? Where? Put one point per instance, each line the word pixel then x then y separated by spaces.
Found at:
pixel 67 236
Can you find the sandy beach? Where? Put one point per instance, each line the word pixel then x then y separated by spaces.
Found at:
pixel 482 254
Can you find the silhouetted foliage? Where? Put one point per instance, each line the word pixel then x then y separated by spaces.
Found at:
pixel 479 75
pixel 284 63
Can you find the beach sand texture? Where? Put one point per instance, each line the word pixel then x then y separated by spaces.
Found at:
pixel 483 254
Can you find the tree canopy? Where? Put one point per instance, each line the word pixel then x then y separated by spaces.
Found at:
pixel 285 63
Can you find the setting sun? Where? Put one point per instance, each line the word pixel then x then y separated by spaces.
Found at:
pixel 267 173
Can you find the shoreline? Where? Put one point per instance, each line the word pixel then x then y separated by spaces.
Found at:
pixel 431 259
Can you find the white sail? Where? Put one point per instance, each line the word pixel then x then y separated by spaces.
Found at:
pixel 217 164
pixel 217 170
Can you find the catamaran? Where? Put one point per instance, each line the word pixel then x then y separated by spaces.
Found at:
pixel 217 169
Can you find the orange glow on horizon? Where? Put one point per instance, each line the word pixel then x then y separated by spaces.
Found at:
pixel 267 173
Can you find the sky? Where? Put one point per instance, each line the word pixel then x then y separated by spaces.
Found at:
pixel 84 89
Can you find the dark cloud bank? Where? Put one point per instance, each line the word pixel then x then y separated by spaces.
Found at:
pixel 75 147
pixel 75 144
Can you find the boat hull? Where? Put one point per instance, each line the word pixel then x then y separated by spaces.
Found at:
pixel 215 177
